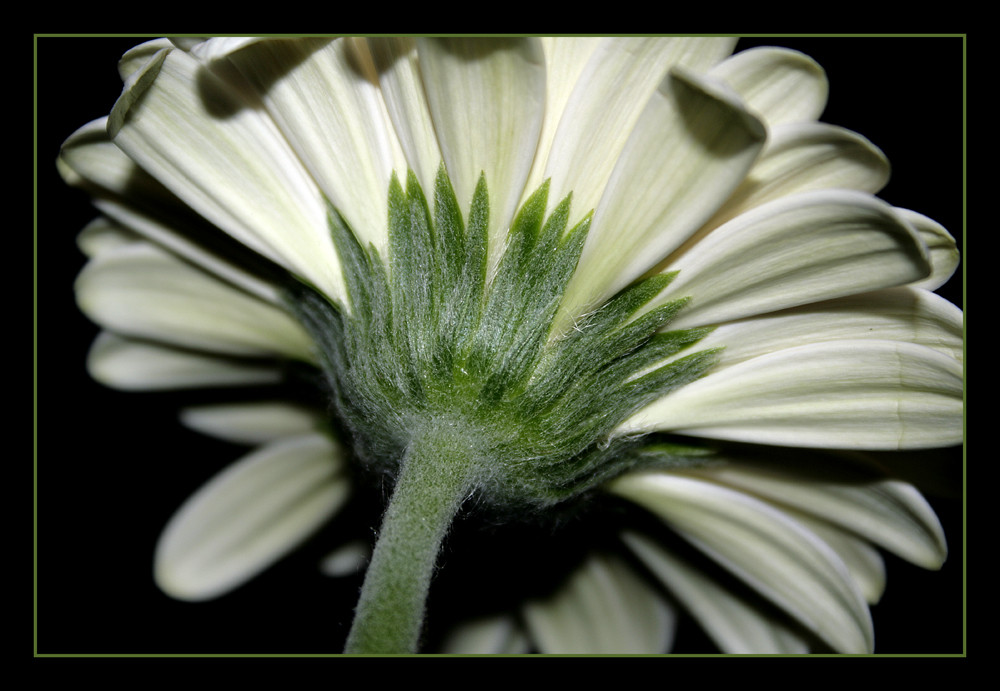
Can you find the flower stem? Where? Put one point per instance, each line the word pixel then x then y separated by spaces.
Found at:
pixel 435 477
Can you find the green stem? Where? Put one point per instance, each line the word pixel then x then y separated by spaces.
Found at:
pixel 435 477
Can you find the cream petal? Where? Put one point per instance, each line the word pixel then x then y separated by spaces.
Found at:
pixel 89 158
pixel 804 248
pixel 151 227
pixel 498 87
pixel 323 96
pixel 102 235
pixel 406 103
pixel 854 394
pixel 138 57
pixel 889 513
pixel 216 48
pixel 126 193
pixel 565 59
pixel 777 556
pixel 609 96
pixel 692 145
pixel 255 422
pixel 604 608
pixel 224 157
pixel 249 516
pixel 943 250
pixel 347 560
pixel 904 314
pixel 494 635
pixel 863 561
pixel 736 626
pixel 130 365
pixel 802 157
pixel 781 85
pixel 142 291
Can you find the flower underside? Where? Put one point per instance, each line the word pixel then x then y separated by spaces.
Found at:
pixel 436 340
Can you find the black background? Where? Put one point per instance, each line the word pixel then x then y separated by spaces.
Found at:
pixel 112 467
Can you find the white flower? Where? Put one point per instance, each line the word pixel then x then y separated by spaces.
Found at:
pixel 681 162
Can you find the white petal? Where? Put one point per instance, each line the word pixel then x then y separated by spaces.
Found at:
pixel 223 157
pixel 323 96
pixel 692 145
pixel 102 235
pixel 495 635
pixel 807 156
pixel 137 57
pixel 406 103
pixel 141 291
pixel 799 249
pixel 609 96
pixel 889 513
pixel 903 314
pixel 249 516
pixel 943 250
pixel 346 560
pixel 486 98
pixel 153 226
pixel 842 394
pixel 126 193
pixel 782 85
pixel 88 157
pixel 863 561
pixel 565 59
pixel 774 554
pixel 604 608
pixel 130 365
pixel 735 625
pixel 253 423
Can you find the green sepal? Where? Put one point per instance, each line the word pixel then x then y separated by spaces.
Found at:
pixel 433 334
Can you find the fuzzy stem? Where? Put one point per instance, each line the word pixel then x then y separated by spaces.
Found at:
pixel 435 477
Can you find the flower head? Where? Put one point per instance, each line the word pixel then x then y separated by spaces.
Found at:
pixel 530 281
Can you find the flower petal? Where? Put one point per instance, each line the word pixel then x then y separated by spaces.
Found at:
pixel 130 365
pixel 347 560
pixel 141 291
pixel 255 422
pixel 565 59
pixel 863 561
pixel 103 235
pixel 843 394
pixel 889 513
pixel 692 145
pixel 126 193
pixel 249 516
pixel 498 86
pixel 792 251
pixel 785 562
pixel 590 135
pixel 323 96
pixel 807 156
pixel 943 250
pixel 781 85
pixel 904 314
pixel 735 625
pixel 223 157
pixel 604 608
pixel 495 635
pixel 406 103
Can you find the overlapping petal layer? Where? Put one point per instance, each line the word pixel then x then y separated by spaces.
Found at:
pixel 690 162
pixel 786 563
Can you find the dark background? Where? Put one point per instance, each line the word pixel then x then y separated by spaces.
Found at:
pixel 112 467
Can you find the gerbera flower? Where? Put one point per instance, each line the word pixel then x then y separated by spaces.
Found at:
pixel 535 282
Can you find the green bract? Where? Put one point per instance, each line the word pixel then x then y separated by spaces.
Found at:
pixel 431 340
